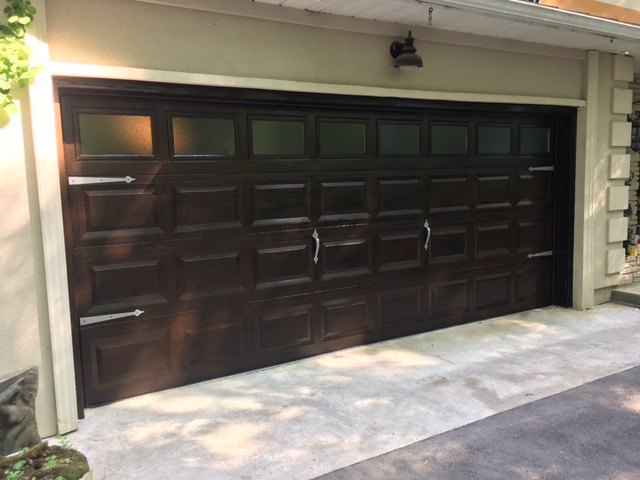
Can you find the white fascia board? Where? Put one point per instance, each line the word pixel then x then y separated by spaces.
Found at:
pixel 529 12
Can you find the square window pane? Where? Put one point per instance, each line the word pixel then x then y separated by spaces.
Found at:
pixel 535 140
pixel 278 137
pixel 449 139
pixel 494 140
pixel 398 139
pixel 204 136
pixel 109 134
pixel 343 139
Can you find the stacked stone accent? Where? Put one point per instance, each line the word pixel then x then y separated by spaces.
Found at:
pixel 619 166
pixel 631 272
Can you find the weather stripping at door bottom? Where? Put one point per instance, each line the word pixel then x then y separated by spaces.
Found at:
pixel 106 318
pixel 98 180
pixel 548 253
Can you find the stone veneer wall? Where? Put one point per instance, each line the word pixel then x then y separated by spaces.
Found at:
pixel 631 272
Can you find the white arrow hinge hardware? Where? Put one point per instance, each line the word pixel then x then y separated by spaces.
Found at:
pixel 106 318
pixel 98 180
pixel 550 168
pixel 548 253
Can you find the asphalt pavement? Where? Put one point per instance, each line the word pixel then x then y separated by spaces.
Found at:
pixel 591 432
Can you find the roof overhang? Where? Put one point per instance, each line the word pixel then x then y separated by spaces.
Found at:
pixel 509 24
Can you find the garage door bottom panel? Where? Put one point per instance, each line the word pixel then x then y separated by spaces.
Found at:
pixel 134 356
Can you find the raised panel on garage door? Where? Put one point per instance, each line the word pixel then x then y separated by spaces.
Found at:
pixel 109 213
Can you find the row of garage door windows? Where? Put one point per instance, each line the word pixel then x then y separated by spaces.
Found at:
pixel 104 134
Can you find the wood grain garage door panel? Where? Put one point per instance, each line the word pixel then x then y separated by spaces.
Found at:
pixel 346 256
pixel 494 290
pixel 281 203
pixel 449 194
pixel 138 357
pixel 400 307
pixel 400 250
pixel 285 328
pixel 344 200
pixel 493 192
pixel 212 338
pixel 124 212
pixel 535 190
pixel 123 283
pixel 494 239
pixel 210 273
pixel 399 198
pixel 203 208
pixel 347 317
pixel 283 264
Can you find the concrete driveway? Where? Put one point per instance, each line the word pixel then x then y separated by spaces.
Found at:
pixel 591 432
pixel 308 418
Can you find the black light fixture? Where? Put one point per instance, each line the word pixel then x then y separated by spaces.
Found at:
pixel 405 54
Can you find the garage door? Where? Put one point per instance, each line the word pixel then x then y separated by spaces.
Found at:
pixel 215 231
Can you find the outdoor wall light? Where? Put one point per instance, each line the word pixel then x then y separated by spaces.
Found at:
pixel 405 54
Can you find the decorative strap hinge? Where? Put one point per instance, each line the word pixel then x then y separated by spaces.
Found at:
pixel 549 168
pixel 548 253
pixel 106 318
pixel 98 180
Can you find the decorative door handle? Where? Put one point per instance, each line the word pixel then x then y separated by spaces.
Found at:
pixel 316 237
pixel 426 243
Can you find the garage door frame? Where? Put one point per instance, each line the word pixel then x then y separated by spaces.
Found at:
pixel 564 176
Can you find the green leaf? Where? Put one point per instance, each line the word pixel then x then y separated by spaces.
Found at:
pixel 11 109
pixel 19 465
pixel 13 19
pixel 29 74
pixel 24 20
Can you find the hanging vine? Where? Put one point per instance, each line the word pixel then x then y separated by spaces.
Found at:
pixel 15 69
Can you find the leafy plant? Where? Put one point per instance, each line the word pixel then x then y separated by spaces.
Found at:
pixel 63 441
pixel 15 68
pixel 17 471
pixel 52 463
pixel 44 462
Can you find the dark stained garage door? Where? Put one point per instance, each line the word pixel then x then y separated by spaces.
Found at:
pixel 211 231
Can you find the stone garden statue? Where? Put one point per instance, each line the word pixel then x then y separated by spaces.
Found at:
pixel 18 427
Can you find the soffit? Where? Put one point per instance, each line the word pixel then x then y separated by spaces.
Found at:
pixel 503 19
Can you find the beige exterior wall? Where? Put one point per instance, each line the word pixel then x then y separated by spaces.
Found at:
pixel 132 39
pixel 23 318
pixel 134 34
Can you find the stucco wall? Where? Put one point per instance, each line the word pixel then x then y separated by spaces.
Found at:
pixel 23 319
pixel 133 34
